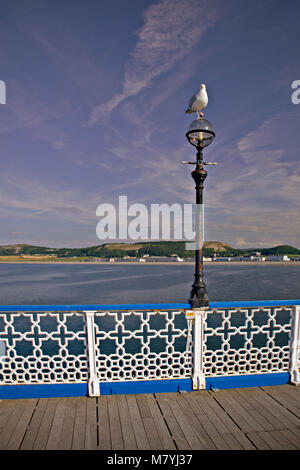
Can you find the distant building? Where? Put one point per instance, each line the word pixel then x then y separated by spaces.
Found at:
pixel 253 258
pixel 163 259
pixel 278 258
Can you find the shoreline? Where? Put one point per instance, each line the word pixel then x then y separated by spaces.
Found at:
pixel 163 263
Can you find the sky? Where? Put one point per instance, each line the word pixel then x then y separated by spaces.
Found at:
pixel 96 94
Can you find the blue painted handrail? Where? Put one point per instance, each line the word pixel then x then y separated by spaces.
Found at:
pixel 169 306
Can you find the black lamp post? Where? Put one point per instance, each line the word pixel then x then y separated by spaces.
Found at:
pixel 200 135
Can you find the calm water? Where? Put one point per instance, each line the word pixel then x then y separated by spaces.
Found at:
pixel 27 284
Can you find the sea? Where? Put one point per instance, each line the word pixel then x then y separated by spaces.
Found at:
pixel 67 284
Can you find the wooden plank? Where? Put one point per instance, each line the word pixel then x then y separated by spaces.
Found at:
pixel 293 436
pixel 91 428
pixel 222 420
pixel 232 442
pixel 6 409
pixel 57 425
pixel 271 441
pixel 137 423
pixel 126 425
pixel 274 423
pixel 176 432
pixel 293 391
pixel 203 407
pixel 241 397
pixel 103 424
pixel 284 441
pixel 34 425
pixel 149 424
pixel 184 423
pixel 12 422
pixel 116 436
pixel 258 441
pixel 162 429
pixel 286 418
pixel 46 423
pixel 286 400
pixel 242 418
pixel 212 405
pixel 200 422
pixel 66 436
pixel 79 424
pixel 17 436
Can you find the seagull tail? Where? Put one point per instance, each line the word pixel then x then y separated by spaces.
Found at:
pixel 188 111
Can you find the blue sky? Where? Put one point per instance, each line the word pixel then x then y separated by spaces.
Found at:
pixel 96 94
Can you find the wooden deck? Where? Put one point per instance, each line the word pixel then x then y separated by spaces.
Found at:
pixel 254 418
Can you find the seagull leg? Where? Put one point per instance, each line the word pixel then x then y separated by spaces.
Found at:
pixel 200 115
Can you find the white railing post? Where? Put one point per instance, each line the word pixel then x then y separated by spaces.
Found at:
pixel 93 383
pixel 198 378
pixel 295 348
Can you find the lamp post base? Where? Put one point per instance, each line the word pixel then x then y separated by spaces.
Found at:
pixel 198 297
pixel 198 303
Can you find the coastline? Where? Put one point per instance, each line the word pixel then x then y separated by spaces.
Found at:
pixel 163 263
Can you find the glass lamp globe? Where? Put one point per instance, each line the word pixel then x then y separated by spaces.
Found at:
pixel 200 133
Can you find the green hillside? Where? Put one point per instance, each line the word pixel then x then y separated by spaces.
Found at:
pixel 160 248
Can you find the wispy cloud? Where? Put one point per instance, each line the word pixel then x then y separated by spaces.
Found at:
pixel 25 197
pixel 171 29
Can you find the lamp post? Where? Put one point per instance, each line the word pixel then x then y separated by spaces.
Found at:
pixel 200 134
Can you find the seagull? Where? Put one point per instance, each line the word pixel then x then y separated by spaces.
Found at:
pixel 198 102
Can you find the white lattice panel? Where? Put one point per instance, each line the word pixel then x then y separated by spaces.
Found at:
pixel 43 347
pixel 247 341
pixel 146 345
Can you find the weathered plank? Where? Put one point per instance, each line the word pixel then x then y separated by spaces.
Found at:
pixel 162 429
pixel 34 425
pixel 286 418
pixel 241 416
pixel 258 441
pixel 255 403
pixel 126 425
pixel 79 424
pixel 176 432
pixel 222 421
pixel 201 424
pixel 286 400
pixel 284 441
pixel 103 424
pixel 149 424
pixel 137 423
pixel 293 435
pixel 46 423
pixel 16 437
pixel 6 409
pixel 66 437
pixel 12 422
pixel 57 425
pixel 91 428
pixel 241 397
pixel 115 423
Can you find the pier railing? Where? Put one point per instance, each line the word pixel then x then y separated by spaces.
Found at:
pixel 97 349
